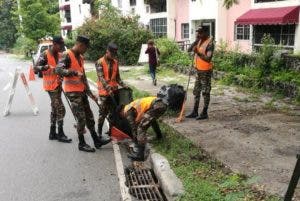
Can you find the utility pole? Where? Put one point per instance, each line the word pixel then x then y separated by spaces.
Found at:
pixel 20 17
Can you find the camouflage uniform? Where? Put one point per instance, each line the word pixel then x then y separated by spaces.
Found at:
pixel 57 107
pixel 79 100
pixel 203 84
pixel 106 103
pixel 139 129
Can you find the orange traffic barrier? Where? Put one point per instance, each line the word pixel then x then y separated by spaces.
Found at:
pixel 118 135
pixel 31 74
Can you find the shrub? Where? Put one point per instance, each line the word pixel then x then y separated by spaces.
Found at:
pixel 69 43
pixel 171 55
pixel 112 26
pixel 23 45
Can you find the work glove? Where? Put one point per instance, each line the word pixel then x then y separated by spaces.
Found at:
pixel 44 68
pixel 73 73
pixel 109 89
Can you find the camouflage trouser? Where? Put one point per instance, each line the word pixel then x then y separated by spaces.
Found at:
pixel 81 108
pixel 203 84
pixel 139 129
pixel 106 107
pixel 58 110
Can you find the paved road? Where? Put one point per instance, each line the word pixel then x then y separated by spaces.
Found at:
pixel 32 168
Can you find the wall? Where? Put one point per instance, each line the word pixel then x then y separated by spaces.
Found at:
pixel 232 14
pixel 182 16
pixel 77 17
pixel 297 38
pixel 171 18
pixel 201 10
pixel 275 4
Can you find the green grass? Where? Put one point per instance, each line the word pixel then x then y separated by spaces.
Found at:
pixel 204 178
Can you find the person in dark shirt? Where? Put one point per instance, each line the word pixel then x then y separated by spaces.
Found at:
pixel 153 54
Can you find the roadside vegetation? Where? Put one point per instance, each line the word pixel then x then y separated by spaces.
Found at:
pixel 203 177
pixel 261 71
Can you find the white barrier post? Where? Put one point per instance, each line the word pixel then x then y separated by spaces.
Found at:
pixel 11 92
pixel 30 96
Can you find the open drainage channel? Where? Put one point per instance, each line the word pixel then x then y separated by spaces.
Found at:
pixel 143 184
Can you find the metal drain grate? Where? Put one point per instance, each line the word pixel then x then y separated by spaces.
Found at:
pixel 143 185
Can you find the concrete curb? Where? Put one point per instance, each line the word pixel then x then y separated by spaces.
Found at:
pixel 171 185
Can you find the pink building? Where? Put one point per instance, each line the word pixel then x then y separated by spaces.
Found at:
pixel 182 20
pixel 248 21
pixel 235 34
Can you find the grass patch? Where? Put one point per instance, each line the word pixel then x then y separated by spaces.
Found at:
pixel 204 178
pixel 134 73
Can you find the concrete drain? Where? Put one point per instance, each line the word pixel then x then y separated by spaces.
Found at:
pixel 143 185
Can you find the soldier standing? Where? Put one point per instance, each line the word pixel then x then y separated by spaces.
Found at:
pixel 107 68
pixel 71 67
pixel 203 49
pixel 52 84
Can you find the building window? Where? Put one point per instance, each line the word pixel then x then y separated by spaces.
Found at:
pixel 68 15
pixel 132 11
pixel 242 32
pixel 132 2
pixel 120 3
pixel 264 1
pixel 282 34
pixel 158 6
pixel 185 30
pixel 159 27
pixel 147 9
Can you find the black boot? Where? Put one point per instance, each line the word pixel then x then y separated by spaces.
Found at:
pixel 194 113
pixel 61 137
pixel 83 146
pixel 52 134
pixel 139 155
pixel 203 114
pixel 96 140
pixel 101 140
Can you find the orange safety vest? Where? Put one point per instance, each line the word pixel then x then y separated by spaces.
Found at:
pixel 74 83
pixel 50 79
pixel 141 106
pixel 200 63
pixel 111 81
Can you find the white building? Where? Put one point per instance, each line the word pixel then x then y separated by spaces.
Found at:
pixel 73 14
pixel 159 16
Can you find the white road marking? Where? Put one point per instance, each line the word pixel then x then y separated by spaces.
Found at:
pixel 118 159
pixel 121 174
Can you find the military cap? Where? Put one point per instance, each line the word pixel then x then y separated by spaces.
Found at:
pixel 58 40
pixel 83 39
pixel 112 47
pixel 202 29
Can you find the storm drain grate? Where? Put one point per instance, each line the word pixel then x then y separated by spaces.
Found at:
pixel 143 185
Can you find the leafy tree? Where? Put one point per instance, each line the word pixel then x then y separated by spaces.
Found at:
pixel 39 18
pixel 229 3
pixel 7 26
pixel 125 31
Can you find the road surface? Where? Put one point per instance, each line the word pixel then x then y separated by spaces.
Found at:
pixel 33 168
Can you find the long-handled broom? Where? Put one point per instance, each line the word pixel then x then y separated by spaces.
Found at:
pixel 182 111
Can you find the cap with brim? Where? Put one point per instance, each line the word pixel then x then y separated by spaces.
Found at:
pixel 202 30
pixel 113 48
pixel 58 40
pixel 83 39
